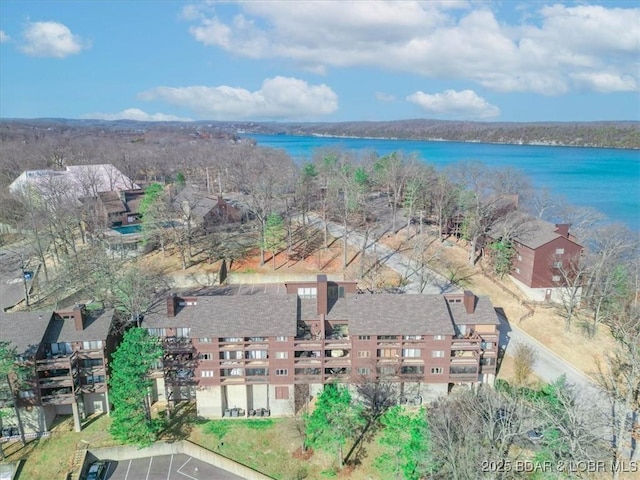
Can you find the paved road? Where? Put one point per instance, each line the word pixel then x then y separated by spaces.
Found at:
pixel 11 283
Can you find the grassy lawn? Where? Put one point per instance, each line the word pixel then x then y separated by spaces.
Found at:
pixel 269 445
pixel 272 447
pixel 50 458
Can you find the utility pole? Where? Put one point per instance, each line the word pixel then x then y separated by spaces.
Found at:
pixel 24 280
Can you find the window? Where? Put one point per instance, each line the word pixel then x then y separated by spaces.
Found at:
pixel 387 370
pixel 557 264
pixel 334 291
pixel 282 393
pixel 387 337
pixel 183 332
pixel 364 354
pixel 61 348
pixel 308 292
pixel 438 337
pixel 412 337
pixel 204 340
pixel 231 339
pixel 206 373
pixel 411 352
pixel 27 394
pixel 387 353
pixel 282 355
pixel 364 337
pixel 364 371
pixel 281 339
pixel 206 356
pixel 437 371
pixel 282 372
pixel 555 278
pixel 232 355
pixel 257 372
pixel 437 354
pixel 93 345
pixel 486 345
pixel 92 379
pixel 519 258
pixel 559 251
pixel 256 354
pixel 157 332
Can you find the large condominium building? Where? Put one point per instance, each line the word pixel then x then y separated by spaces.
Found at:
pixel 272 349
pixel 62 358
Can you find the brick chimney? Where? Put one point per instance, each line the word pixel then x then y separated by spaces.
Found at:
pixel 171 305
pixel 562 229
pixel 469 301
pixel 322 296
pixel 79 317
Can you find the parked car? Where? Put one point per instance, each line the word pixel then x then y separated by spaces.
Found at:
pixel 97 471
pixel 535 435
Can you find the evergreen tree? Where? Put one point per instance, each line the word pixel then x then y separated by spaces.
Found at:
pixel 334 421
pixel 405 438
pixel 129 388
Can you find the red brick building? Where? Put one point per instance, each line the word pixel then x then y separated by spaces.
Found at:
pixel 543 252
pixel 64 356
pixel 269 348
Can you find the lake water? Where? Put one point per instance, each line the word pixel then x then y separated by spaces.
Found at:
pixel 602 178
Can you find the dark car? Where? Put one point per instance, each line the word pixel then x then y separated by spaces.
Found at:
pixel 535 435
pixel 97 471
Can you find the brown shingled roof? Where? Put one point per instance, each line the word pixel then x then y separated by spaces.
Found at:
pixel 24 330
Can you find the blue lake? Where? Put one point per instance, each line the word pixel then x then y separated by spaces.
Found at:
pixel 605 179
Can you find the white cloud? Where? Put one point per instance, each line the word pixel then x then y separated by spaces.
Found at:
pixel 50 39
pixel 137 114
pixel 279 98
pixel 3 37
pixel 384 97
pixel 465 104
pixel 551 51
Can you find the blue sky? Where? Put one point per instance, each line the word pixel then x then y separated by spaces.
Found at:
pixel 320 60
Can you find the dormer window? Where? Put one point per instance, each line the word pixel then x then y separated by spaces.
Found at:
pixel 308 292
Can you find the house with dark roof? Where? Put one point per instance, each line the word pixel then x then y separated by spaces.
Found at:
pixel 262 352
pixel 64 358
pixel 205 211
pixel 117 209
pixel 544 251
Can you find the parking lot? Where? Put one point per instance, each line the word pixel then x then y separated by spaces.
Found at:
pixel 166 467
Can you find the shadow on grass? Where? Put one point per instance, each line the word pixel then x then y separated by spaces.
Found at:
pixel 180 423
pixel 91 419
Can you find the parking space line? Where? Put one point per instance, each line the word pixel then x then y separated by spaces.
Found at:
pixel 126 475
pixel 106 475
pixel 169 472
pixel 185 474
pixel 149 468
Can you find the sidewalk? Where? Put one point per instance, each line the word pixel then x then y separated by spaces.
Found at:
pixel 390 258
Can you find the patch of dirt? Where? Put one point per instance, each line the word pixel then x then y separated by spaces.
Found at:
pixel 300 455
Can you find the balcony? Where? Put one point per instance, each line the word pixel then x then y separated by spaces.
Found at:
pixel 178 344
pixel 63 396
pixel 60 362
pixel 470 341
pixel 56 382
pixel 465 356
pixel 463 374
